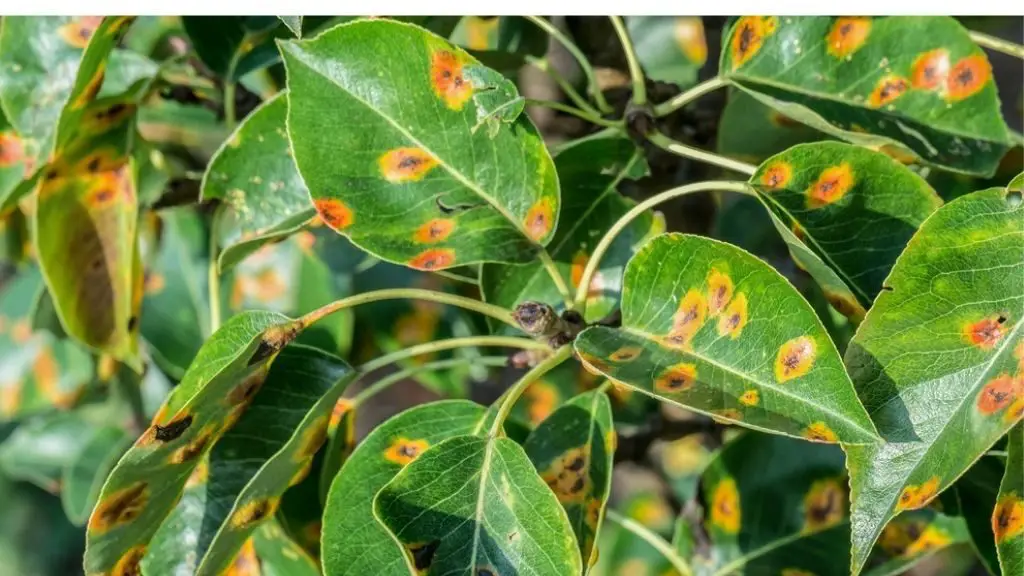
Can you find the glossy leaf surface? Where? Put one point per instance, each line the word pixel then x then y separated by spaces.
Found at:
pixel 572 450
pixel 670 48
pixel 588 173
pixel 253 175
pixel 1008 516
pixel 918 84
pixel 354 543
pixel 422 165
pixel 709 327
pixel 936 360
pixel 846 214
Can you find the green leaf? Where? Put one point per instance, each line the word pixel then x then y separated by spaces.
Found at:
pixel 670 48
pixel 411 181
pixel 975 495
pixel 572 450
pixel 83 477
pixel 484 492
pixel 914 536
pixel 215 391
pixel 548 393
pixel 353 540
pixel 916 84
pixel 934 361
pixel 279 555
pixel 711 328
pixel 39 450
pixel 846 214
pixel 244 481
pixel 1008 516
pixel 262 195
pixel 168 123
pixel 294 23
pixel 683 461
pixel 500 42
pixel 15 164
pixel 751 132
pixel 623 552
pixel 232 46
pixel 589 173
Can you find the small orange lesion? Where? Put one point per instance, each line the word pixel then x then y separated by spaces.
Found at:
pixel 727 415
pixel 677 378
pixel 341 407
pixel 154 283
pixel 406 164
pixel 130 564
pixel 777 175
pixel 917 496
pixel 11 149
pixel 433 259
pixel 593 364
pixel 194 447
pixel 689 317
pixel 846 304
pixel 448 81
pixel 21 331
pixel 10 398
pixel 246 563
pixel 932 538
pixel 967 77
pixel 750 398
pixel 625 354
pixel 79 31
pixel 434 230
pixel 541 399
pixel 889 88
pixel 334 213
pixel 255 512
pixel 312 438
pixel 689 35
pixel 732 321
pixel 91 88
pixel 1008 517
pixel 848 34
pixel 985 333
pixel 796 572
pixel 832 184
pixel 568 475
pixel 747 39
pixel 403 450
pixel 540 219
pixel 998 393
pixel 930 70
pixel 121 507
pixel 824 504
pixel 100 119
pixel 819 432
pixel 725 506
pixel 795 358
pixel 1018 353
pixel 720 289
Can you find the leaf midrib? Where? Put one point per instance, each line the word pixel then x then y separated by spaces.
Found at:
pixel 300 57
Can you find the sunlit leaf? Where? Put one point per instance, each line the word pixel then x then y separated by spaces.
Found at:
pixel 936 360
pixel 294 23
pixel 709 327
pixel 83 477
pixel 279 555
pixel 917 84
pixel 670 48
pixel 846 214
pixel 413 181
pixel 1008 516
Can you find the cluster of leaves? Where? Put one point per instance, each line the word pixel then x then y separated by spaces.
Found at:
pixel 385 175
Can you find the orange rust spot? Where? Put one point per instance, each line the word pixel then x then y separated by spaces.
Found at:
pixel 403 450
pixel 433 259
pixel 1018 353
pixel 447 80
pixel 930 70
pixel 625 354
pixel 301 473
pixel 539 219
pixel 732 321
pixel 888 89
pixel 750 398
pixel 541 398
pixel 312 439
pixel 782 120
pixel 832 184
pixel 847 36
pixel 568 475
pixel 417 326
pixel 690 316
pixel 689 35
pixel 154 283
pixel 246 563
pixel 725 506
pixel 246 390
pixel 777 175
pixel 479 30
pixel 340 409
pixel 11 150
pixel 200 474
pixel 967 77
pixel 1016 410
pixel 819 432
pixel 579 264
pixel 194 448
pixel 131 563
pixel 433 231
pixel 10 398
pixel 747 40
pixel 794 359
pixel 78 31
pixel 407 164
pixel 931 539
pixel 91 88
pixel 47 377
pixel 119 508
pixel 101 119
pixel 727 415
pixel 21 331
pixel 845 304
pixel 985 333
pixel 593 513
pixel 824 504
pixel 719 291
pixel 914 496
pixel 1008 517
pixel 677 378
pixel 593 364
pixel 255 512
pixel 998 393
pixel 334 213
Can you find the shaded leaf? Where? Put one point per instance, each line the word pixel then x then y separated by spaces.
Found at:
pixel 353 540
pixel 846 214
pixel 294 23
pixel 31 516
pixel 232 46
pixel 588 173
pixel 1008 516
pixel 975 495
pixel 411 181
pixel 253 175
pixel 670 48
pixel 934 360
pixel 914 536
pixel 623 552
pixel 83 477
pixel 751 132
pixel 917 84
pixel 713 329
pixel 39 450
pixel 548 393
pixel 499 42
pixel 683 461
pixel 279 555
pixel 15 163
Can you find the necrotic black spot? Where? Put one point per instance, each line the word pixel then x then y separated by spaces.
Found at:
pixel 173 430
pixel 423 556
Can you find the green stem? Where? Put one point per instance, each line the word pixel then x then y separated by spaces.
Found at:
pixel 508 399
pixel 379 386
pixel 680 149
pixel 635 71
pixel 544 65
pixel 569 45
pixel 592 118
pixel 556 277
pixel 229 105
pixel 998 44
pixel 410 294
pixel 653 539
pixel 710 85
pixel 606 241
pixel 449 344
pixel 213 285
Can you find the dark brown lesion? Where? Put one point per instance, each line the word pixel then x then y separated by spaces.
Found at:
pixel 172 430
pixel 192 450
pixel 423 554
pixel 409 450
pixel 410 162
pixel 121 508
pixel 747 37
